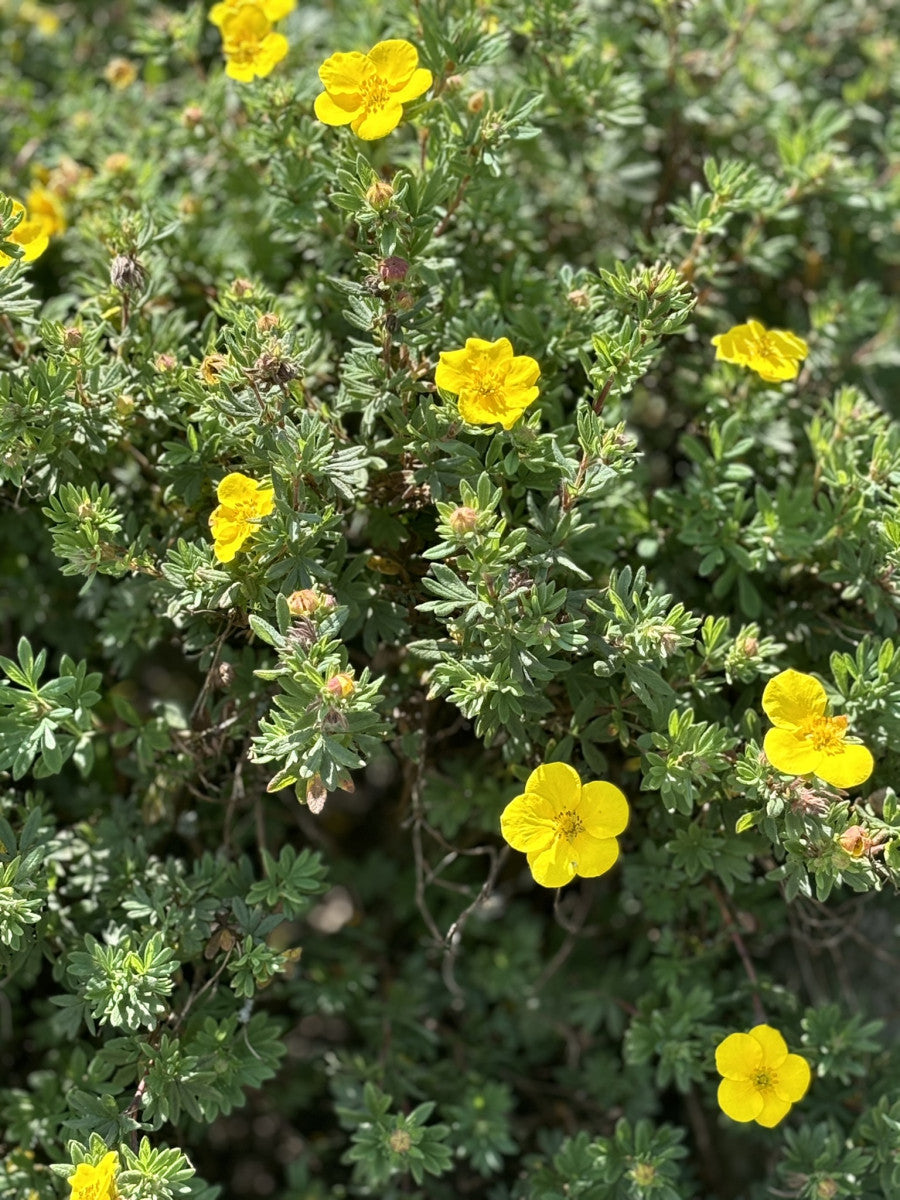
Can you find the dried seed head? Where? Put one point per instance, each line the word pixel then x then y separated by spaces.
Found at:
pixel 303 633
pixel 334 722
pixel 273 369
pixel 857 841
pixel 225 675
pixel 72 337
pixel 126 273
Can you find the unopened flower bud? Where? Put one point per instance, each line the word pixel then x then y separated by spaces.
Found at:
pixel 266 322
pixel 341 685
pixel 750 645
pixel 826 1189
pixel 192 116
pixel 404 300
pixel 463 520
pixel 379 195
pixel 124 405
pixel 579 298
pixel 476 102
pixel 225 674
pixel 117 163
pixel 400 1141
pixel 453 83
pixel 71 337
pixel 165 362
pixel 242 287
pixel 393 269
pixel 126 273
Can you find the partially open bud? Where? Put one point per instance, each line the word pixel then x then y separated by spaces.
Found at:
pixel 341 685
pixel 210 368
pixel 303 602
pixel 856 841
pixel 273 369
pixel 463 520
pixel 126 273
pixel 379 195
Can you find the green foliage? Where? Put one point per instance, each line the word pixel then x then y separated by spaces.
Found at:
pixel 259 931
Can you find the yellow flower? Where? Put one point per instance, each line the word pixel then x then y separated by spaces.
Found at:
pixel 492 385
pixel 368 91
pixel 760 1080
pixel 96 1183
pixel 273 10
pixel 29 234
pixel 804 739
pixel 120 73
pixel 251 48
pixel 45 206
pixel 566 828
pixel 775 354
pixel 242 502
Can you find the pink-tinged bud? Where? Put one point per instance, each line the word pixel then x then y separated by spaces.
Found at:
pixel 463 520
pixel 192 116
pixel 393 269
pixel 341 685
pixel 165 362
pixel 379 195
pixel 242 287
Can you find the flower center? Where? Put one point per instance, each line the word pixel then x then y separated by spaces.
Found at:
pixel 764 1081
pixel 569 825
pixel 825 733
pixel 375 93
pixel 488 386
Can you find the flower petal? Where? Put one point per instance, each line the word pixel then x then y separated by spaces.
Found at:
pixel 378 123
pixel 788 344
pixel 792 697
pixel 553 867
pixel 474 409
pixel 523 373
pixel 394 60
pixel 235 488
pixel 793 1078
pixel 774 1047
pixel 451 373
pixel 263 501
pixel 775 371
pixel 594 856
pixel 528 823
pixel 738 1100
pixel 558 783
pixel 420 81
pixel 773 1110
pixel 850 767
pixel 792 754
pixel 339 110
pixel 738 1057
pixel 344 73
pixel 603 808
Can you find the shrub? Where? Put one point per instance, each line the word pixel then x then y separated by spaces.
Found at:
pixel 384 457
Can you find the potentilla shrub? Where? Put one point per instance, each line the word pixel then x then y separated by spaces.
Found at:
pixel 451 576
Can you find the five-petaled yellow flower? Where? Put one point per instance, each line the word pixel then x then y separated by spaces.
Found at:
pixel 775 354
pixel 368 91
pixel 760 1080
pixel 566 828
pixel 273 10
pixel 804 739
pixel 30 234
pixel 492 384
pixel 242 503
pixel 251 47
pixel 96 1183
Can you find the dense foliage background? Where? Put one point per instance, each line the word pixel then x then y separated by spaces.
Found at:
pixel 609 185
